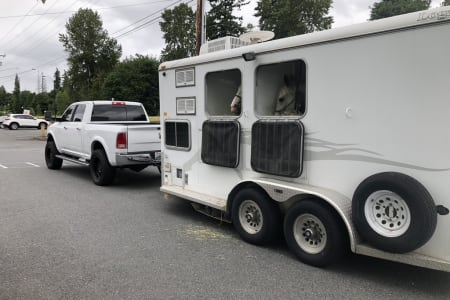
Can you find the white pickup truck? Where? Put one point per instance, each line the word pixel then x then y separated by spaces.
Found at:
pixel 104 135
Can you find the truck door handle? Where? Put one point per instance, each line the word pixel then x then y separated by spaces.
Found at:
pixel 65 127
pixel 78 128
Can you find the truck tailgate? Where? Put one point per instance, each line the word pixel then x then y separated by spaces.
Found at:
pixel 144 138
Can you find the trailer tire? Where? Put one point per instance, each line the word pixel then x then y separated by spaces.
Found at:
pixel 52 162
pixel 394 212
pixel 314 232
pixel 102 172
pixel 255 216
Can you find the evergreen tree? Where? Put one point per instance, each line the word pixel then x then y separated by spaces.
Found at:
pixel 16 105
pixel 135 79
pixel 221 21
pixel 389 8
pixel 91 51
pixel 293 17
pixel 178 26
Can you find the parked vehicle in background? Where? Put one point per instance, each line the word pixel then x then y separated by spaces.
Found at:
pixel 15 121
pixel 104 135
pixel 1 120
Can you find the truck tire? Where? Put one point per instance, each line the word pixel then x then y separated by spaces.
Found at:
pixel 394 212
pixel 102 172
pixel 52 162
pixel 315 233
pixel 255 216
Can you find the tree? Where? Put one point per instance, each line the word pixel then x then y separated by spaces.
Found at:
pixel 135 79
pixel 178 26
pixel 91 51
pixel 293 17
pixel 221 22
pixel 16 105
pixel 446 2
pixel 389 8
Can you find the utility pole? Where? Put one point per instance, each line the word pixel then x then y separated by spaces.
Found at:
pixel 201 25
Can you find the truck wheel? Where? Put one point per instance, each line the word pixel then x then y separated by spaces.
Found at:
pixel 255 216
pixel 13 126
pixel 53 162
pixel 315 233
pixel 394 212
pixel 102 172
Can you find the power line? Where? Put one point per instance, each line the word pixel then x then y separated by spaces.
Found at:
pixel 72 11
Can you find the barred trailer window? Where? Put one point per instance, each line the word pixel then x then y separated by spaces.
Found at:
pixel 277 147
pixel 220 143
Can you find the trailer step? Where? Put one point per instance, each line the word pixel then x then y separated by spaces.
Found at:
pixel 72 160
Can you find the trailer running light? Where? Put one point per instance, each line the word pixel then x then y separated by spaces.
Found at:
pixel 121 141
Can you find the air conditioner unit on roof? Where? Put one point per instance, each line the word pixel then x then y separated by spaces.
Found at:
pixel 225 43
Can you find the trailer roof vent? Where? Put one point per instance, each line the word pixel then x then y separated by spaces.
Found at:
pixel 225 43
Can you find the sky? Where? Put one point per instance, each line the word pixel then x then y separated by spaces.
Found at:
pixel 29 31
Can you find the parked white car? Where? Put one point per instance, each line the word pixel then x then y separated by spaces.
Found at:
pixel 14 121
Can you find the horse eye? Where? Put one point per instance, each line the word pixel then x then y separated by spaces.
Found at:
pixel 281 99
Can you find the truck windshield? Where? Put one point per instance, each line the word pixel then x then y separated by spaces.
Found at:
pixel 108 112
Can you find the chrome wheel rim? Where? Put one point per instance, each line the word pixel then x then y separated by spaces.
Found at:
pixel 387 213
pixel 250 216
pixel 310 233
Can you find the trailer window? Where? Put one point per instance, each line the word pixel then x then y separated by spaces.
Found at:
pixel 220 143
pixel 277 147
pixel 222 88
pixel 177 135
pixel 281 89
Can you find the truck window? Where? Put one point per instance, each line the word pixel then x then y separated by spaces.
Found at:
pixel 79 113
pixel 223 89
pixel 135 113
pixel 281 89
pixel 115 113
pixel 67 115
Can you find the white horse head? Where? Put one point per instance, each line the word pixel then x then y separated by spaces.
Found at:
pixel 286 97
pixel 235 106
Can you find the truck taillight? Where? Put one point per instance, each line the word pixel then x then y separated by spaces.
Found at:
pixel 121 141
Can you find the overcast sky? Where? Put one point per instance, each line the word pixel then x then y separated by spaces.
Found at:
pixel 29 31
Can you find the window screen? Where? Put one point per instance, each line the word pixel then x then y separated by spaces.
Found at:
pixel 220 143
pixel 177 134
pixel 277 147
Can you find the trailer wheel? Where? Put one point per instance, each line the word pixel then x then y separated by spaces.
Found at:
pixel 394 212
pixel 255 216
pixel 52 162
pixel 315 234
pixel 102 172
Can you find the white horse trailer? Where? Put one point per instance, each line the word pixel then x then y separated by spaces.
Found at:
pixel 361 161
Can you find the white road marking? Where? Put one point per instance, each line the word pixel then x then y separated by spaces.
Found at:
pixel 4 167
pixel 31 164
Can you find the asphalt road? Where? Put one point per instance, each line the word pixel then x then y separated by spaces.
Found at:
pixel 62 237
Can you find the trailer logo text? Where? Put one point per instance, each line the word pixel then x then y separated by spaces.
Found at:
pixel 440 15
